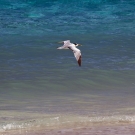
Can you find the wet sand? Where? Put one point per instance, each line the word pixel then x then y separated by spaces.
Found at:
pixel 96 129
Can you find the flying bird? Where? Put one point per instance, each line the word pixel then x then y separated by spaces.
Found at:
pixel 72 46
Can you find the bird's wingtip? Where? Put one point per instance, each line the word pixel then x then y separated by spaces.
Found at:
pixel 60 42
pixel 79 61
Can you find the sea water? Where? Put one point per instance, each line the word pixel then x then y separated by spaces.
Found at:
pixel 41 86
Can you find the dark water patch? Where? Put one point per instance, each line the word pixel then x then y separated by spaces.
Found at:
pixel 66 81
pixel 27 57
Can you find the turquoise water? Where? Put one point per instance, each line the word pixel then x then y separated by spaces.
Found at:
pixel 40 84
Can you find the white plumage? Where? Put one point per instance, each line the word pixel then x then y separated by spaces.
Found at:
pixel 72 46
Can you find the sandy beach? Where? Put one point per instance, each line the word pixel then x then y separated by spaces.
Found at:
pixel 117 129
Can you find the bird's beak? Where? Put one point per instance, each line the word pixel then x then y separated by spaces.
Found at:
pixel 60 42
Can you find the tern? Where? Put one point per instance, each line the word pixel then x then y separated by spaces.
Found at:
pixel 72 46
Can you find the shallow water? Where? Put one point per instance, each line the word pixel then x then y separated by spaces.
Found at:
pixel 42 87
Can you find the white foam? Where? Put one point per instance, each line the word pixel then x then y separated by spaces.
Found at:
pixel 121 118
pixel 61 120
pixel 14 126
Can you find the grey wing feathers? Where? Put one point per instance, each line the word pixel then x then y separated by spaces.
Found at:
pixel 67 42
pixel 65 46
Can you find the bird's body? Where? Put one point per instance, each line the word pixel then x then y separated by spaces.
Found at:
pixel 72 46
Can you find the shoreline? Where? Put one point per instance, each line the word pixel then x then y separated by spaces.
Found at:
pixel 94 129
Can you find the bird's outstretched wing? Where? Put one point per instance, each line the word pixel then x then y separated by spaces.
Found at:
pixel 78 56
pixel 66 44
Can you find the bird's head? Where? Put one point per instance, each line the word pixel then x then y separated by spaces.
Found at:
pixel 77 44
